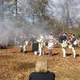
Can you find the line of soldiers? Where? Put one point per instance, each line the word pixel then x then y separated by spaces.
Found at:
pixel 68 41
pixel 38 44
pixel 35 43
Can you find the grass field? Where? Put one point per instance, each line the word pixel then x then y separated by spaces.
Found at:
pixel 17 66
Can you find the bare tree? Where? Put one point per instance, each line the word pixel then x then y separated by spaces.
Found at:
pixel 64 10
pixel 38 7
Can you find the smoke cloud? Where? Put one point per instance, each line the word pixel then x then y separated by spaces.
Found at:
pixel 14 29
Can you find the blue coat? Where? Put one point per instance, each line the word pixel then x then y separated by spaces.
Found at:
pixel 61 38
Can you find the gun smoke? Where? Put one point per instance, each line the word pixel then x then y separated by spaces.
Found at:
pixel 14 29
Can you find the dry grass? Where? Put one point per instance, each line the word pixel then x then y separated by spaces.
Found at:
pixel 17 66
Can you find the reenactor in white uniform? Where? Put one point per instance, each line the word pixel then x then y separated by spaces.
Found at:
pixel 50 43
pixel 41 43
pixel 24 46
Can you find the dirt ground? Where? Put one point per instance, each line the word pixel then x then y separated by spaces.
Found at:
pixel 17 66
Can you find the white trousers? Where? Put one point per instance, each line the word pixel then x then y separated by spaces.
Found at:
pixel 64 52
pixel 73 51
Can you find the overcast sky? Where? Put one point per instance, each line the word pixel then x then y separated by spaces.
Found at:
pixel 54 8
